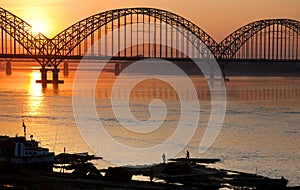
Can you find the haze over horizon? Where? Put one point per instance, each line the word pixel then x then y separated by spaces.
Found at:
pixel 217 18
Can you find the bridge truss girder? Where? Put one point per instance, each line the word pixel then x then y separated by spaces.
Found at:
pixel 68 39
pixel 232 43
pixel 21 31
pixel 62 44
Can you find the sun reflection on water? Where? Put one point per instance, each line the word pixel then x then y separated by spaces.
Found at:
pixel 34 89
pixel 35 98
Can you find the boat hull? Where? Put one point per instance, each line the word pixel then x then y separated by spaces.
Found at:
pixel 37 162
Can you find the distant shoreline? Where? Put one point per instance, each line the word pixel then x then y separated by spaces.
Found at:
pixel 239 68
pixel 263 69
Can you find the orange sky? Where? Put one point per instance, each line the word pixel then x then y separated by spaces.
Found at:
pixel 217 17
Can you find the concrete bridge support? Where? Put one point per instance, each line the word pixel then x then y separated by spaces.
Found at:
pixel 117 69
pixel 8 68
pixel 55 79
pixel 66 69
pixel 43 71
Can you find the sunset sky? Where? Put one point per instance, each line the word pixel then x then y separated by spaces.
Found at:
pixel 217 17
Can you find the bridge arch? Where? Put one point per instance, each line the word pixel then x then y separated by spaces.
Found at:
pixel 21 31
pixel 263 34
pixel 71 37
pixel 269 28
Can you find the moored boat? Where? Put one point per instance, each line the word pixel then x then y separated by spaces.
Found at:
pixel 19 152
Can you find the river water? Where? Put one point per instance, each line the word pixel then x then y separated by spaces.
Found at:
pixel 260 132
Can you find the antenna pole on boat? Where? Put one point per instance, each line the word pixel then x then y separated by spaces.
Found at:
pixel 24 126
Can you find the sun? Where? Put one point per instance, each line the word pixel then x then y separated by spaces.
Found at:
pixel 37 27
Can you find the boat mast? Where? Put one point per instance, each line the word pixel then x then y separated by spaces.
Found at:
pixel 24 126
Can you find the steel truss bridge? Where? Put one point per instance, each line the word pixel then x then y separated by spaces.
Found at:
pixel 135 33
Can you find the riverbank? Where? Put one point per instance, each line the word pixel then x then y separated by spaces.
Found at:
pixel 180 174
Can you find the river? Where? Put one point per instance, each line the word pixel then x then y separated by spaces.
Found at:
pixel 260 132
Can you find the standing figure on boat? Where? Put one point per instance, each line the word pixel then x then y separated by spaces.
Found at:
pixel 187 154
pixel 164 158
pixel 151 175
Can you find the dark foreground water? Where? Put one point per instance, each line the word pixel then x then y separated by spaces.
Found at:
pixel 260 133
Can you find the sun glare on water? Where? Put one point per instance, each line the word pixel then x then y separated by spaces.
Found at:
pixel 34 88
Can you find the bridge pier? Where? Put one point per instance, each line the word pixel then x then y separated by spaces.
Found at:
pixel 55 80
pixel 44 81
pixel 8 68
pixel 43 71
pixel 117 69
pixel 66 69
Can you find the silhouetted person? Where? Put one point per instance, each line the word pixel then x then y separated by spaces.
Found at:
pixel 151 175
pixel 164 158
pixel 187 154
